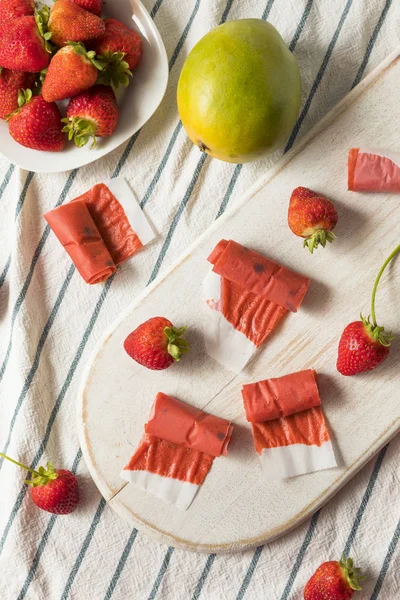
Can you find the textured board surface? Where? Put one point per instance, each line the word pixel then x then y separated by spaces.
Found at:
pixel 235 508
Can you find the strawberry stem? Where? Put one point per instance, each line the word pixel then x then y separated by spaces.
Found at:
pixel 385 264
pixel 20 464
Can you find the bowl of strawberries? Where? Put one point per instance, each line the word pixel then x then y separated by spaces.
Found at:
pixel 77 79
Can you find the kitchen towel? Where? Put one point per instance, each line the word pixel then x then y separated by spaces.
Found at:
pixel 50 321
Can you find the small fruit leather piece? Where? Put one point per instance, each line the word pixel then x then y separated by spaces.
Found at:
pixel 289 429
pixel 259 275
pixel 182 424
pixel 249 294
pixel 280 397
pixel 100 231
pixel 177 450
pixel 77 232
pixel 373 170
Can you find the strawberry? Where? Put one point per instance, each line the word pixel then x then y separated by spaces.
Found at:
pixel 93 6
pixel 10 83
pixel 119 38
pixel 69 22
pixel 333 580
pixel 90 114
pixel 21 46
pixel 364 345
pixel 156 344
pixel 312 216
pixel 12 9
pixel 55 491
pixel 37 123
pixel 360 348
pixel 72 70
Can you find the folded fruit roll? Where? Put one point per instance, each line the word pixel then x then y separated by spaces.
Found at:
pixel 249 295
pixel 177 450
pixel 289 429
pixel 77 232
pixel 373 170
pixel 101 229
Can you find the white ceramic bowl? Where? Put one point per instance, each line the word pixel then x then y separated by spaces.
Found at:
pixel 137 103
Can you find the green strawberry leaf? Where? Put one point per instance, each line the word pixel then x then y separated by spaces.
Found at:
pixel 116 70
pixel 80 131
pixel 42 15
pixel 177 346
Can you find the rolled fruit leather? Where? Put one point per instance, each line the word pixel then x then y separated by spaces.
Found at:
pixel 112 219
pixel 177 450
pixel 77 232
pixel 289 428
pixel 373 170
pixel 281 396
pixel 249 294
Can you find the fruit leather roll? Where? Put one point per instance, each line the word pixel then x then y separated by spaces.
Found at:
pixel 289 428
pixel 177 450
pixel 118 220
pixel 259 275
pixel 373 170
pixel 280 397
pixel 182 424
pixel 77 232
pixel 249 295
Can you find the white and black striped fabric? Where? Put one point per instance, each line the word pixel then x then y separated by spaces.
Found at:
pixel 50 321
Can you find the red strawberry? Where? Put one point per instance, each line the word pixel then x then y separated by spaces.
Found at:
pixel 119 38
pixel 312 216
pixel 12 9
pixel 364 345
pixel 37 124
pixel 71 71
pixel 91 114
pixel 93 6
pixel 156 344
pixel 333 580
pixel 360 348
pixel 55 491
pixel 10 83
pixel 68 22
pixel 21 46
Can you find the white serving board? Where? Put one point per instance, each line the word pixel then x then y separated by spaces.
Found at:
pixel 235 508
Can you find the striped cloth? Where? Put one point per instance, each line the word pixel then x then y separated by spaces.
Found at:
pixel 50 321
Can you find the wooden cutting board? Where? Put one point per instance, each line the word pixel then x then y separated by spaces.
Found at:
pixel 235 509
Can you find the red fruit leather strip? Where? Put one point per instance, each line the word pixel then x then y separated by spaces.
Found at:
pixel 77 232
pixel 280 397
pixel 369 172
pixel 306 427
pixel 255 316
pixel 112 222
pixel 182 424
pixel 259 275
pixel 170 460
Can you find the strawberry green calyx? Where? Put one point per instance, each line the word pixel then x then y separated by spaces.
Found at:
pixel 116 71
pixel 177 346
pixel 318 238
pixel 378 333
pixel 350 573
pixel 80 130
pixel 41 476
pixel 80 50
pixel 24 96
pixel 42 19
